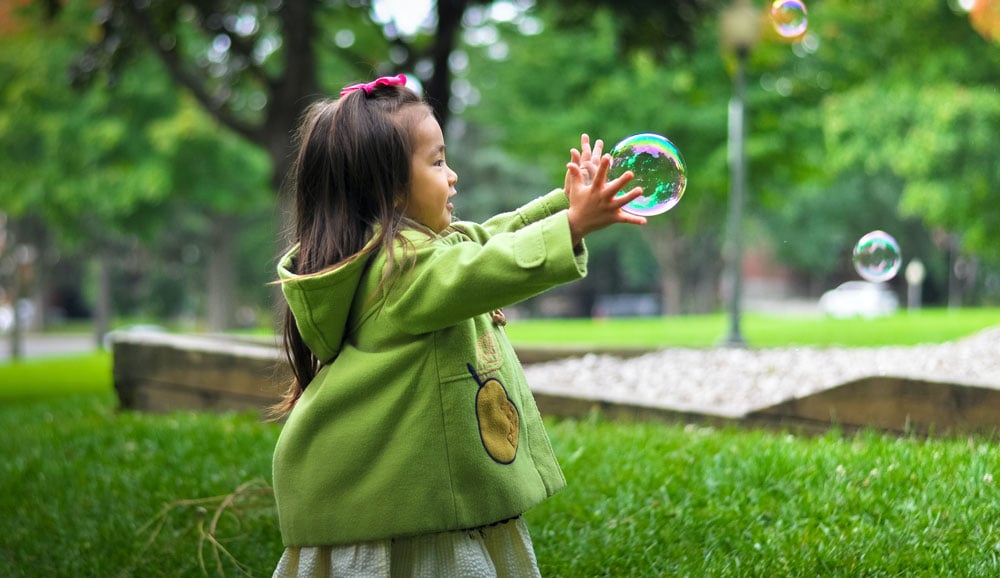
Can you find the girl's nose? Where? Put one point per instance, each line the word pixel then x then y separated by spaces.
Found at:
pixel 452 177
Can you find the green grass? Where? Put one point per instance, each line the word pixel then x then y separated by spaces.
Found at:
pixel 44 378
pixel 654 500
pixel 924 326
pixel 83 485
pixel 79 480
pixel 80 483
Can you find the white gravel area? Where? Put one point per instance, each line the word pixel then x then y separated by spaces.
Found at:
pixel 731 382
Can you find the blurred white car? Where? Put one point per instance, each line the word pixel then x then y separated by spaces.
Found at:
pixel 859 299
pixel 6 317
pixel 25 311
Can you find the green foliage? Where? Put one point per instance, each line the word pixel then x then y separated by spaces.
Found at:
pixel 490 180
pixel 900 148
pixel 537 108
pixel 927 42
pixel 598 91
pixel 930 119
pixel 939 140
pixel 127 158
pixel 101 164
pixel 211 168
pixel 817 228
pixel 78 159
pixel 648 25
pixel 839 142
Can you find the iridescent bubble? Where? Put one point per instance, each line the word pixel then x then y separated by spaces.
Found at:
pixel 658 167
pixel 789 17
pixel 877 256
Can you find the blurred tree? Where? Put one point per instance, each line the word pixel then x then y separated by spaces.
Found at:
pixel 255 65
pixel 75 160
pixel 822 171
pixel 646 25
pixel 833 126
pixel 930 120
pixel 941 140
pixel 838 139
pixel 224 180
pixel 593 86
pixel 115 162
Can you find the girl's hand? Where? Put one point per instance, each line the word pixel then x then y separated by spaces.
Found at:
pixel 587 159
pixel 593 204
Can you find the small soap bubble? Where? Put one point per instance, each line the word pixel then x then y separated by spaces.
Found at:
pixel 877 257
pixel 658 168
pixel 789 18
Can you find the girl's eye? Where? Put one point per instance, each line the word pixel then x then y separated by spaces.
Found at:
pixel 439 163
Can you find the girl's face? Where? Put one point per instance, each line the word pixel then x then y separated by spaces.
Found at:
pixel 432 182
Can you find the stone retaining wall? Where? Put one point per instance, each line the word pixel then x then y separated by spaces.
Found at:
pixel 164 372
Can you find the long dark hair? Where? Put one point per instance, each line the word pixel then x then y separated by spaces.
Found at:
pixel 352 173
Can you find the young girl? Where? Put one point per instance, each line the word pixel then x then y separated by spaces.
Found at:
pixel 412 443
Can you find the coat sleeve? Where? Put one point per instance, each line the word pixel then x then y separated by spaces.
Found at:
pixel 454 278
pixel 536 210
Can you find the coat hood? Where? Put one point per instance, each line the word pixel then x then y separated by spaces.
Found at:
pixel 321 303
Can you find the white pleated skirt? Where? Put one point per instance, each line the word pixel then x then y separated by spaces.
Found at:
pixel 501 550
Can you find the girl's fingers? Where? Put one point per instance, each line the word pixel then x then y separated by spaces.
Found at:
pixel 585 146
pixel 598 148
pixel 574 171
pixel 628 197
pixel 602 171
pixel 619 183
pixel 625 217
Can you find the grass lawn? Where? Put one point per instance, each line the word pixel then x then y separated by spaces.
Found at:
pixel 80 480
pixel 759 330
pixel 45 378
pixel 84 485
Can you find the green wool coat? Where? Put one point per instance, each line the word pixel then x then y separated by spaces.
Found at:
pixel 421 419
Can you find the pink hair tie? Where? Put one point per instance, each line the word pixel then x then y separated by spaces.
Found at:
pixel 368 87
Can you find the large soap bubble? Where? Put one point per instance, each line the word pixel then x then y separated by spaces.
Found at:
pixel 877 256
pixel 658 168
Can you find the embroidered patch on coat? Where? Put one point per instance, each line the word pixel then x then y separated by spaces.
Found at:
pixel 488 355
pixel 498 419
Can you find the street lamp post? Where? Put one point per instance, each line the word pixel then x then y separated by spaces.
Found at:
pixel 740 29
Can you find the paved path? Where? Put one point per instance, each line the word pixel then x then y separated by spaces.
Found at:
pixel 48 345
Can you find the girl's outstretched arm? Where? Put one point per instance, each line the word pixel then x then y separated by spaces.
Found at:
pixel 593 204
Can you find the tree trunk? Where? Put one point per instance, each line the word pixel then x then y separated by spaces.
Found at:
pixel 17 330
pixel 666 245
pixel 438 89
pixel 221 286
pixel 102 307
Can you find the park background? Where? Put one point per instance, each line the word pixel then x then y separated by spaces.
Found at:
pixel 142 145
